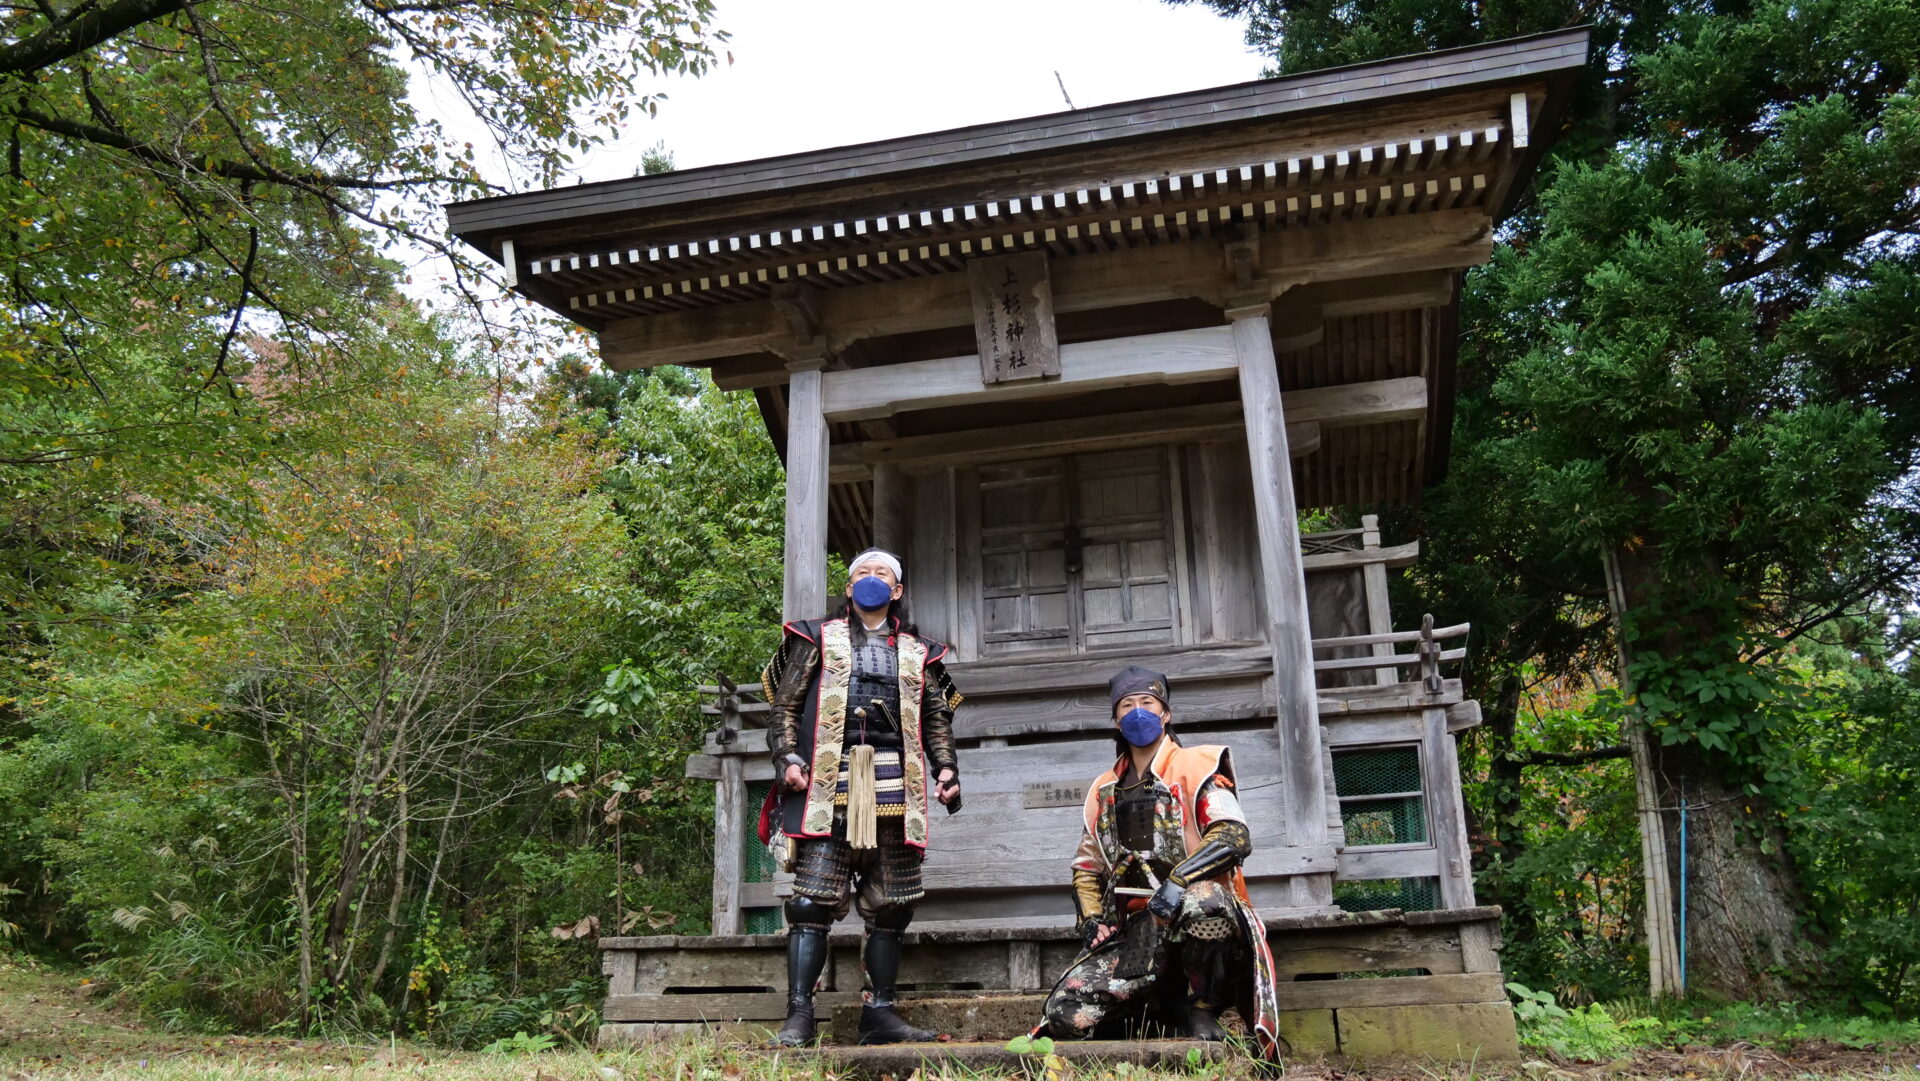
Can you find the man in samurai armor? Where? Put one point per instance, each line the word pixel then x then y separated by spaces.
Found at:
pixel 862 731
pixel 1168 934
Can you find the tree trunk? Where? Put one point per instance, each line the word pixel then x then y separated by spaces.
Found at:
pixel 1743 897
pixel 397 898
pixel 1744 900
pixel 346 881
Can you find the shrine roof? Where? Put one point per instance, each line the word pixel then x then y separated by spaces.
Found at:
pixel 1083 146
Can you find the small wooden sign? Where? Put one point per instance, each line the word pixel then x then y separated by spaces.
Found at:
pixel 1041 794
pixel 1013 317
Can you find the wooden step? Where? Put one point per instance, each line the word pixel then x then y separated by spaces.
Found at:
pixel 965 1018
pixel 901 1060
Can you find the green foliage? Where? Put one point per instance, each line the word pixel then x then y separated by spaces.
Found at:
pixel 199 207
pixel 1598 1032
pixel 1569 870
pixel 1031 1045
pixel 1692 357
pixel 300 612
pixel 1855 816
pixel 521 1044
pixel 1587 1032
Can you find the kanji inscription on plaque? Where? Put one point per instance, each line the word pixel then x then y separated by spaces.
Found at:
pixel 1041 794
pixel 1013 317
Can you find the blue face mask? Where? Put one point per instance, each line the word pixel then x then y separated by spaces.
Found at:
pixel 1141 726
pixel 872 594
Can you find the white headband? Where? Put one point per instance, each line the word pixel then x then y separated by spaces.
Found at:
pixel 884 558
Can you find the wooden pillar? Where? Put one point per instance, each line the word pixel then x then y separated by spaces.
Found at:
pixel 1303 786
pixel 729 844
pixel 1379 613
pixel 889 508
pixel 1446 820
pixel 805 592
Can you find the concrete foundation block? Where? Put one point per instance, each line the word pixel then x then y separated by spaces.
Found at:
pixel 1453 1032
pixel 1309 1033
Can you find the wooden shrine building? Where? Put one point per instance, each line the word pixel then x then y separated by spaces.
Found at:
pixel 1087 371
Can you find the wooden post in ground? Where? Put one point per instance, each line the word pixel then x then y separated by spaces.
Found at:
pixel 1663 950
pixel 729 845
pixel 1284 581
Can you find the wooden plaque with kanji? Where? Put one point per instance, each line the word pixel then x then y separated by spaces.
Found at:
pixel 1013 318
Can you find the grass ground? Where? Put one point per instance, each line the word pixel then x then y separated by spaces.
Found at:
pixel 54 1026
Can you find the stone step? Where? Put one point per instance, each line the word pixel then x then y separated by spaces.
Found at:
pixel 975 1016
pixel 902 1059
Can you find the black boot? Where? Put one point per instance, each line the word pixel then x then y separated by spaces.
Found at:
pixel 878 1022
pixel 806 957
pixel 1203 1021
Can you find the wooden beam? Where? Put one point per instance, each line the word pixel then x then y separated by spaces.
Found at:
pixel 747 372
pixel 1308 413
pixel 694 335
pixel 1400 555
pixel 804 593
pixel 1394 248
pixel 1283 578
pixel 1184 356
pixel 1147 427
pixel 1358 864
pixel 1345 405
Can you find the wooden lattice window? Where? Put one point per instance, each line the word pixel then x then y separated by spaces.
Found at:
pixel 1077 553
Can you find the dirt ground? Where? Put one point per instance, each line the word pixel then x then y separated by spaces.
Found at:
pixel 52 1019
pixel 56 1025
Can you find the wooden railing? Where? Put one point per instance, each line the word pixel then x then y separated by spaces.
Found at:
pixel 1427 656
pixel 738 705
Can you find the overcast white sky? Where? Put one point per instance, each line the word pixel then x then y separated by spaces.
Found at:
pixel 814 74
pixel 809 74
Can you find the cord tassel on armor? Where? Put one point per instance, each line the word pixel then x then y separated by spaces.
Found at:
pixel 863 800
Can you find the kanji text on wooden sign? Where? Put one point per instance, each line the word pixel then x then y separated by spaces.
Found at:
pixel 1039 794
pixel 1013 317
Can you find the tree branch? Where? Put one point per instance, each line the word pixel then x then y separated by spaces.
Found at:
pixel 1570 758
pixel 72 36
pixel 231 170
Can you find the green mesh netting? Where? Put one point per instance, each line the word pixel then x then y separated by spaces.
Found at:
pixel 1410 894
pixel 1377 771
pixel 1384 822
pixel 759 865
pixel 1390 772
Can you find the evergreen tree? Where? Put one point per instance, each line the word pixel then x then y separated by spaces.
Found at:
pixel 1692 362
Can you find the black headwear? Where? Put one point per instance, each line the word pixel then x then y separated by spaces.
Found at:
pixel 1134 679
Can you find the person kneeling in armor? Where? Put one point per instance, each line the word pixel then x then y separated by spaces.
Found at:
pixel 1167 930
pixel 862 724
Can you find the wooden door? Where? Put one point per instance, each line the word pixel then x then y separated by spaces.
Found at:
pixel 1077 553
